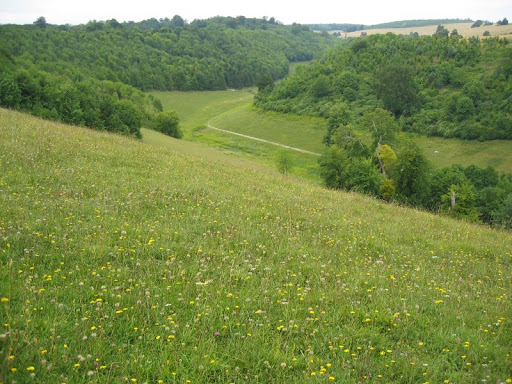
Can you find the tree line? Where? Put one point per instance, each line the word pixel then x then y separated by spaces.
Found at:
pixel 371 155
pixel 434 85
pixel 371 90
pixel 166 54
pixel 94 74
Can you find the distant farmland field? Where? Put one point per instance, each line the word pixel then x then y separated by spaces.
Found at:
pixel 464 29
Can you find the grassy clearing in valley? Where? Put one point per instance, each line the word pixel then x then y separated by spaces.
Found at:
pixel 445 152
pixel 195 108
pixel 231 110
pixel 296 131
pixel 127 262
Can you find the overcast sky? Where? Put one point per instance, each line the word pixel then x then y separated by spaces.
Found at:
pixel 287 11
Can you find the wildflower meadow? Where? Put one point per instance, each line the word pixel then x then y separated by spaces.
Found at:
pixel 122 262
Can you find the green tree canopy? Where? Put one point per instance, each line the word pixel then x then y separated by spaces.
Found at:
pixel 321 87
pixel 382 126
pixel 397 89
pixel 167 122
pixel 411 176
pixel 41 22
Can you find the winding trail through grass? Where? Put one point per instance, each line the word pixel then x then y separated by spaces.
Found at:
pixel 263 140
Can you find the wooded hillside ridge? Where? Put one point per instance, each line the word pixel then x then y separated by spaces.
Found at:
pixel 439 85
pixel 93 75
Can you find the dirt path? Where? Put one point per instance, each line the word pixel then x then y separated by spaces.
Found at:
pixel 263 140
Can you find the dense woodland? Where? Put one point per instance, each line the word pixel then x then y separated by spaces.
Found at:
pixel 434 85
pixel 168 54
pixel 373 89
pixel 94 74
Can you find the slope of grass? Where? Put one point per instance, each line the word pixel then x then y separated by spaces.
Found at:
pixel 445 152
pixel 296 131
pixel 195 108
pixel 231 110
pixel 127 262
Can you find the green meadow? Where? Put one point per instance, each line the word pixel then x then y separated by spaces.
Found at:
pixel 232 111
pixel 195 108
pixel 123 261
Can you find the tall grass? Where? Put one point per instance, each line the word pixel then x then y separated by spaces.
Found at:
pixel 127 262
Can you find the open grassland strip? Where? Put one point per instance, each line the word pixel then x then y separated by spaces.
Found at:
pixel 195 108
pixel 263 140
pixel 231 111
pixel 127 262
pixel 445 152
pixel 297 131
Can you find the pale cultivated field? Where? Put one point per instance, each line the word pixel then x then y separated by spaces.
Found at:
pixel 464 29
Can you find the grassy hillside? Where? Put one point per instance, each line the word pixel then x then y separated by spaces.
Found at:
pixel 126 262
pixel 195 108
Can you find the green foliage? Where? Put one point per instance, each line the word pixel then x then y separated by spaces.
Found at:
pixel 387 189
pixel 10 93
pixel 41 22
pixel 126 118
pixel 441 31
pixel 339 116
pixel 471 193
pixel 442 180
pixel 265 82
pixel 347 137
pixel 455 33
pixel 502 217
pixel 411 176
pixel 439 86
pixel 321 87
pixel 115 107
pixel 459 202
pixel 284 162
pixel 387 158
pixel 381 125
pixel 168 123
pixel 339 170
pixel 397 89
pixel 166 54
